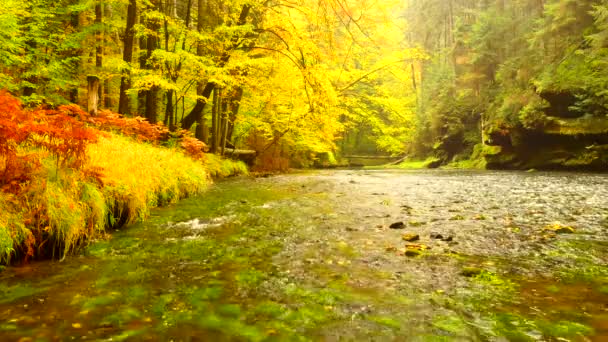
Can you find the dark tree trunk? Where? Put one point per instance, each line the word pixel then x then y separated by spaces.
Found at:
pixel 214 120
pixel 235 104
pixel 152 44
pixel 197 111
pixel 75 23
pixel 127 56
pixel 107 101
pixel 143 47
pixel 152 104
pixel 99 45
pixel 169 118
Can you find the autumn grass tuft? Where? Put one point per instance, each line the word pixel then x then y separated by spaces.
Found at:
pixel 138 177
pixel 63 208
pixel 221 168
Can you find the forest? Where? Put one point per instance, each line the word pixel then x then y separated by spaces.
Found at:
pixel 497 84
pixel 426 170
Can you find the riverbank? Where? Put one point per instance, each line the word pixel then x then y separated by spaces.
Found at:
pixel 485 157
pixel 66 178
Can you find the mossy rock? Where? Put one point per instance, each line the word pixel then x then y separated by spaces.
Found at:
pixel 558 228
pixel 470 271
pixel 410 237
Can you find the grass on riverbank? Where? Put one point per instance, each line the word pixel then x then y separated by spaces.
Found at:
pixel 63 182
pixel 408 164
pixel 222 168
pixel 121 181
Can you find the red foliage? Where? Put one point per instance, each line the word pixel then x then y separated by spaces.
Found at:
pixel 137 127
pixel 142 130
pixel 64 133
pixel 57 131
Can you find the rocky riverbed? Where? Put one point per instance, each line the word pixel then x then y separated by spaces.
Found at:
pixel 338 255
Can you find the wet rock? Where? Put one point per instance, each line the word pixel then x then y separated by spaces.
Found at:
pixel 412 252
pixel 416 246
pixel 391 248
pixel 436 236
pixel 410 237
pixel 470 271
pixel 557 228
pixel 397 225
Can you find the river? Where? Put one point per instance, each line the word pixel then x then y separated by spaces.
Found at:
pixel 494 256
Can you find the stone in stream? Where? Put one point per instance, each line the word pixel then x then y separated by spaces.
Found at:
pixel 397 225
pixel 470 271
pixel 557 228
pixel 436 236
pixel 412 252
pixel 410 237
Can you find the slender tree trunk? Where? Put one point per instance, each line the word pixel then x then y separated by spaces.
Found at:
pixel 225 123
pixel 75 23
pixel 197 111
pixel 107 101
pixel 142 58
pixel 99 44
pixel 124 106
pixel 214 120
pixel 235 104
pixel 93 95
pixel 169 109
pixel 201 86
pixel 152 44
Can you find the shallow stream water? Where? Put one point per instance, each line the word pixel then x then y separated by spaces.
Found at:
pixel 311 256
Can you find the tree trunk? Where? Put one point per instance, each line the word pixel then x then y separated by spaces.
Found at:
pixel 152 104
pixel 107 100
pixel 152 44
pixel 214 120
pixel 197 111
pixel 99 43
pixel 151 94
pixel 75 63
pixel 127 56
pixel 141 95
pixel 169 109
pixel 93 95
pixel 235 104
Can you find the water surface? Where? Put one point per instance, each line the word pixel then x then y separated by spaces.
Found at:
pixel 311 256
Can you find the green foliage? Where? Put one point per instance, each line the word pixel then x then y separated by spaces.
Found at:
pixel 509 67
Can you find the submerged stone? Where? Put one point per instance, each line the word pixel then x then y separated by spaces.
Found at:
pixel 557 228
pixel 412 252
pixel 397 225
pixel 436 236
pixel 470 271
pixel 410 237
